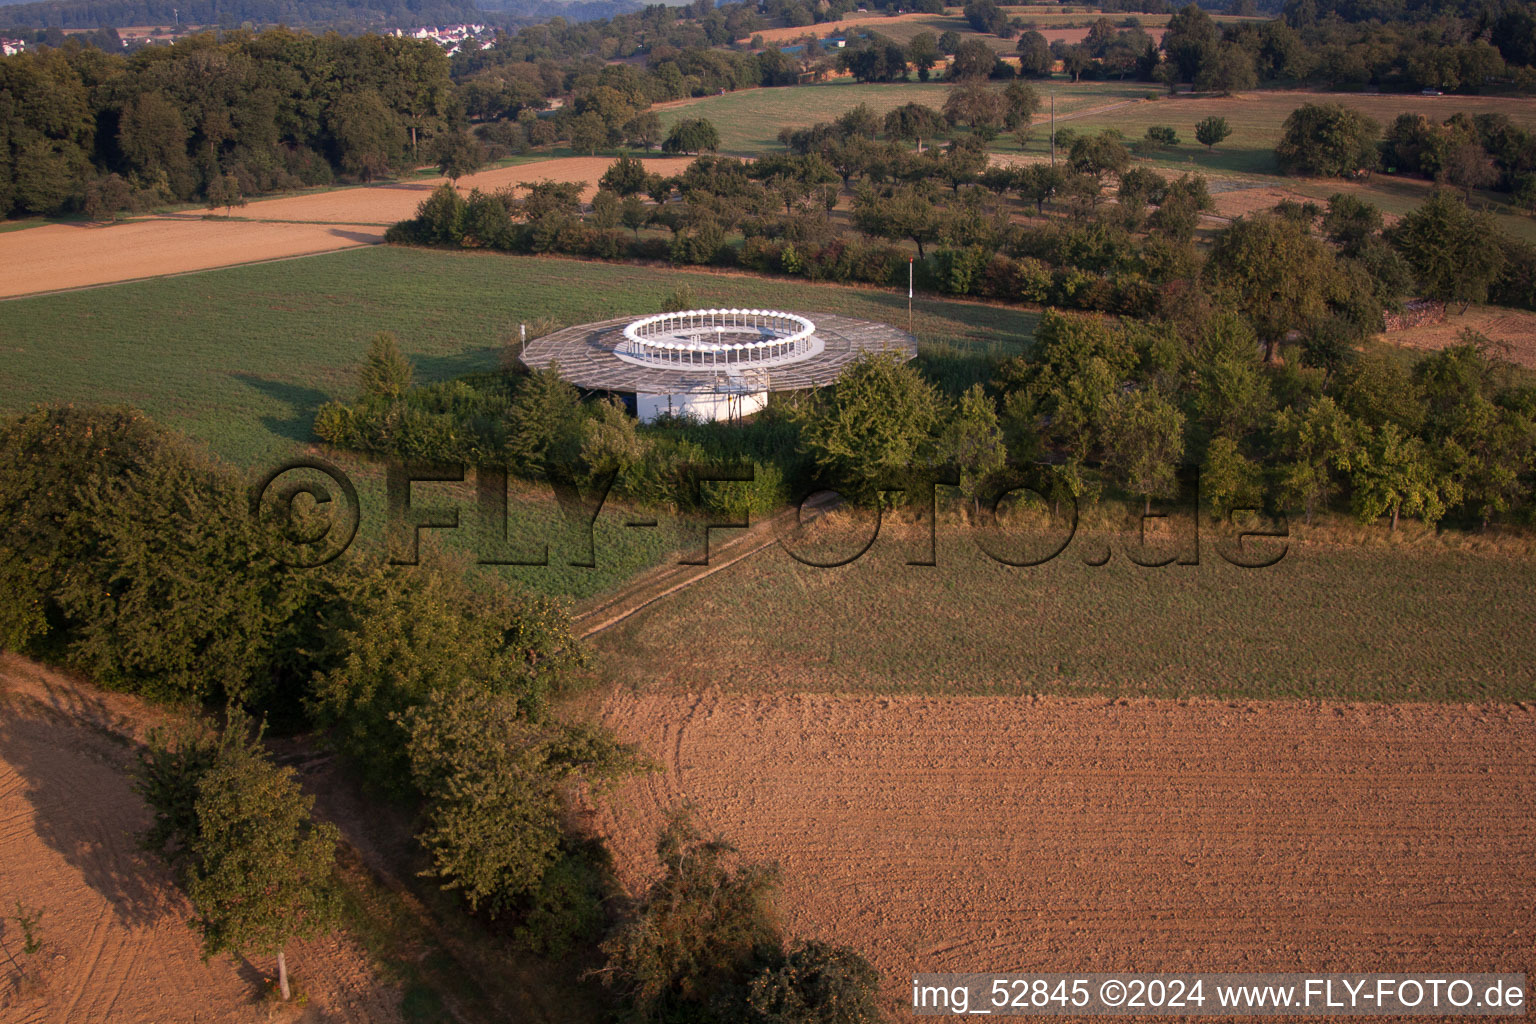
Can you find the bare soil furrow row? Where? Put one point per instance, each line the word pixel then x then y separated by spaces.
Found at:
pixel 975 834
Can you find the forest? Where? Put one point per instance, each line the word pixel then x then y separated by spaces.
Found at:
pixel 81 129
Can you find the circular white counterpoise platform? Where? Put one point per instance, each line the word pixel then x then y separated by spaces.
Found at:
pixel 712 364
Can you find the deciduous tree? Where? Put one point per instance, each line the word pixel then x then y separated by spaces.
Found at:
pixel 259 871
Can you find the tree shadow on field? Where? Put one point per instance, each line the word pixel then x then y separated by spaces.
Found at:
pixel 456 364
pixel 84 808
pixel 301 401
pixel 366 237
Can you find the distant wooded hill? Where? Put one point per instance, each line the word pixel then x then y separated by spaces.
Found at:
pixel 85 14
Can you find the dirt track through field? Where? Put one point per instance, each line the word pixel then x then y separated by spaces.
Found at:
pixel 54 257
pixel 116 946
pixel 990 834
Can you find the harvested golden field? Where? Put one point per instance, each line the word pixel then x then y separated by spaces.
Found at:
pixel 59 256
pixel 1513 332
pixel 53 257
pixel 115 945
pixel 387 203
pixel 900 27
pixel 1050 834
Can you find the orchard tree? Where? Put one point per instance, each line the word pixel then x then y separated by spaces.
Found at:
pixel 914 122
pixel 1038 183
pixel 236 829
pixel 1469 166
pixel 1143 443
pixel 625 176
pixel 634 214
pixel 1392 472
pixel 692 135
pixel 1327 140
pixel 1075 60
pixel 1097 154
pixel 1022 103
pixel 457 154
pixel 1450 249
pixel 973 60
pixel 1276 274
pixel 643 130
pixel 881 420
pixel 1035 60
pixel 1211 131
pixel 905 212
pixel 972 442
pixel 1351 222
pixel 923 54
pixel 858 123
pixel 961 162
pixel 224 190
pixel 984 111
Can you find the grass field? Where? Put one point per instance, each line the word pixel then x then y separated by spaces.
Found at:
pixel 1365 622
pixel 241 358
pixel 749 120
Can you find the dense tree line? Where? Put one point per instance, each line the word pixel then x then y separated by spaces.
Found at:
pixel 1119 410
pixel 337 14
pixel 1487 151
pixel 1114 410
pixel 1470 52
pixel 273 110
pixel 82 129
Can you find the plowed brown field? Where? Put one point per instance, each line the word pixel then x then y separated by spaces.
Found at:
pixel 116 946
pixel 58 256
pixel 986 834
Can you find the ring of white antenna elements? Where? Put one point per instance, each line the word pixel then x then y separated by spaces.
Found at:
pixel 697 337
